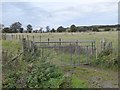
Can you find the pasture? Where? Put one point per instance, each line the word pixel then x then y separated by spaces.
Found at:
pixel 102 71
pixel 110 36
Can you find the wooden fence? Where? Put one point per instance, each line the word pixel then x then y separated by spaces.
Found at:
pixel 86 47
pixel 31 47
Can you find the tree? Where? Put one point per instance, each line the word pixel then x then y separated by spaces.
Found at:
pixel 29 28
pixel 73 28
pixel 21 30
pixel 6 30
pixel 61 29
pixel 95 29
pixel 15 27
pixel 41 29
pixel 47 29
pixel 107 29
pixel 36 31
pixel 53 30
pixel 79 29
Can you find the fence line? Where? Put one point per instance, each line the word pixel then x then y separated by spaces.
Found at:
pixel 90 50
pixel 32 46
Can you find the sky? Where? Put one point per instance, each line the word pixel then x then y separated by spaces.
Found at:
pixel 55 13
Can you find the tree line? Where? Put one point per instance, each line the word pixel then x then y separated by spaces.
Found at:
pixel 17 28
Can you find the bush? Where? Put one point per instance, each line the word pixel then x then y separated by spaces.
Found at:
pixel 105 52
pixel 41 75
pixel 35 72
pixel 95 29
pixel 107 29
pixel 108 59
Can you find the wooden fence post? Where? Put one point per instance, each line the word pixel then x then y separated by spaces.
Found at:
pixel 4 36
pixel 96 54
pixel 48 41
pixel 86 54
pixel 41 52
pixel 32 48
pixel 12 36
pixel 71 55
pixel 79 54
pixel 92 48
pixel 76 42
pixel 60 41
pixel 16 36
pixel 109 46
pixel 19 37
pixel 40 38
pixel 28 37
pixel 24 46
pixel 33 37
pixel 76 46
pixel 100 46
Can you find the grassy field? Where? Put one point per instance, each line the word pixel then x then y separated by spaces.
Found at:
pixel 82 76
pixel 111 36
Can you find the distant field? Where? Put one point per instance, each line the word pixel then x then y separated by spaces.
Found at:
pixel 109 36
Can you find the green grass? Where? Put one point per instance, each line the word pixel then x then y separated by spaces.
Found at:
pixel 105 61
pixel 58 58
pixel 110 36
pixel 12 46
pixel 77 83
pixel 19 74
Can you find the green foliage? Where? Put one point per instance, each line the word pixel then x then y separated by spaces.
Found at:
pixel 61 29
pixel 107 58
pixel 12 46
pixel 105 52
pixel 6 30
pixel 76 83
pixel 107 29
pixel 73 28
pixel 36 72
pixel 47 28
pixel 95 29
pixel 42 74
pixel 29 28
pixel 15 27
pixel 53 30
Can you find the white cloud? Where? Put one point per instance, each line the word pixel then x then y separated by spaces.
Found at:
pixel 81 1
pixel 60 12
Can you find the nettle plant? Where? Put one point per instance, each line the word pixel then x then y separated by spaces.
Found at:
pixel 41 75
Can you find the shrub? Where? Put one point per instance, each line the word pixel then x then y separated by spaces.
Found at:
pixel 105 52
pixel 41 74
pixel 107 29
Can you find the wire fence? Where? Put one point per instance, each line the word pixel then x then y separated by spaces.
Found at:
pixel 60 53
pixel 75 52
pixel 83 50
